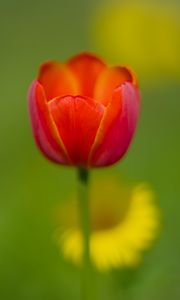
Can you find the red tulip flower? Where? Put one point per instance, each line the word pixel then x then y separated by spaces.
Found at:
pixel 83 112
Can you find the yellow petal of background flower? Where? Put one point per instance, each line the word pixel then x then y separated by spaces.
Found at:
pixel 124 221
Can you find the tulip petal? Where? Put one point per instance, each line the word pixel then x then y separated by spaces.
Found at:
pixel 110 79
pixel 57 80
pixel 117 127
pixel 44 129
pixel 77 120
pixel 86 68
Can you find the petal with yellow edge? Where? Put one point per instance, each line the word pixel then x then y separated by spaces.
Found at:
pixel 117 127
pixel 57 80
pixel 77 120
pixel 44 129
pixel 110 79
pixel 86 67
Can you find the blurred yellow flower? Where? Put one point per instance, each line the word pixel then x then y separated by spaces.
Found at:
pixel 124 221
pixel 142 34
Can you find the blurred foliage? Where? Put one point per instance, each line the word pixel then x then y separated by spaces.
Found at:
pixel 31 268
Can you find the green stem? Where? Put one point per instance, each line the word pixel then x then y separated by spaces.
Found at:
pixel 83 178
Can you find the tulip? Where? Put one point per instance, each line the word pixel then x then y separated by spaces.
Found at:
pixel 83 112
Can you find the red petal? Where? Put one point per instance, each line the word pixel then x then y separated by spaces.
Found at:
pixel 86 67
pixel 110 79
pixel 117 127
pixel 77 120
pixel 44 129
pixel 57 80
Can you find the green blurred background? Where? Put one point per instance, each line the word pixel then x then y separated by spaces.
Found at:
pixel 30 33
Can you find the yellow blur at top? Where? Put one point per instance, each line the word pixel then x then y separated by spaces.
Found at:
pixel 145 36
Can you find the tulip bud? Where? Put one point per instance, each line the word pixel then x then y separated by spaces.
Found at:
pixel 83 112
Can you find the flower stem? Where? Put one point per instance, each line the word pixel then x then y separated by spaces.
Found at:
pixel 83 179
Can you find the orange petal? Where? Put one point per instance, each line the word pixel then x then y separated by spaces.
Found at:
pixel 86 68
pixel 117 127
pixel 77 120
pixel 44 129
pixel 57 80
pixel 110 79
